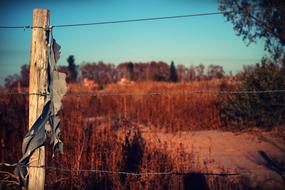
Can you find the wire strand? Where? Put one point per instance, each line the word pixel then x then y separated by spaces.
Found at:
pixel 83 94
pixel 222 173
pixel 22 93
pixel 118 21
pixel 9 27
pixel 141 19
pixel 173 93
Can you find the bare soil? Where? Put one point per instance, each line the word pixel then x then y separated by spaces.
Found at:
pixel 257 156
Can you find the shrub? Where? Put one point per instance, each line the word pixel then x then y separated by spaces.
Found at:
pixel 264 110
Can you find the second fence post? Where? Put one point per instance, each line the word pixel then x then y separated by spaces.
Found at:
pixel 38 84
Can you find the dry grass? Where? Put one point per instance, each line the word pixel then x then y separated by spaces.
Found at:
pixel 172 112
pixel 104 133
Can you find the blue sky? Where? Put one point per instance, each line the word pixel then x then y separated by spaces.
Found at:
pixel 207 40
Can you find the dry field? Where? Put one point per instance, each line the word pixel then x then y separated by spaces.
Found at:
pixel 139 133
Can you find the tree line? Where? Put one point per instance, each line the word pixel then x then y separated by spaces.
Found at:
pixel 105 73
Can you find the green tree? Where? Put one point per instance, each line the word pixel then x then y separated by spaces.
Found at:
pixel 173 73
pixel 131 73
pixel 258 19
pixel 265 109
pixel 23 79
pixel 72 69
pixel 25 74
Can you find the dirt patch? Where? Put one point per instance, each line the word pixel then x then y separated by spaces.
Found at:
pixel 260 158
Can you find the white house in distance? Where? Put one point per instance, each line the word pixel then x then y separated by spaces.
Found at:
pixel 89 83
pixel 125 82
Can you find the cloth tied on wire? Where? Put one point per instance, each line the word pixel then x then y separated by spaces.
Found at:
pixel 47 124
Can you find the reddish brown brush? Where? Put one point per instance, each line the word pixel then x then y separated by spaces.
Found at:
pixel 173 110
pixel 104 133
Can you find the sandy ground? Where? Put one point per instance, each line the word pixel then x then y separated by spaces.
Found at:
pixel 259 157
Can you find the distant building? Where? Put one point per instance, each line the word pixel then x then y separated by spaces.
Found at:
pixel 125 82
pixel 89 83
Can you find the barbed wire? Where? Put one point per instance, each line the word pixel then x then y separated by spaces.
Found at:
pixel 26 27
pixel 117 21
pixel 120 21
pixel 113 172
pixel 22 93
pixel 21 27
pixel 8 165
pixel 83 94
pixel 222 173
pixel 142 19
pixel 80 94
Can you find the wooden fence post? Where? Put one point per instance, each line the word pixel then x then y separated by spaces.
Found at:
pixel 38 84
